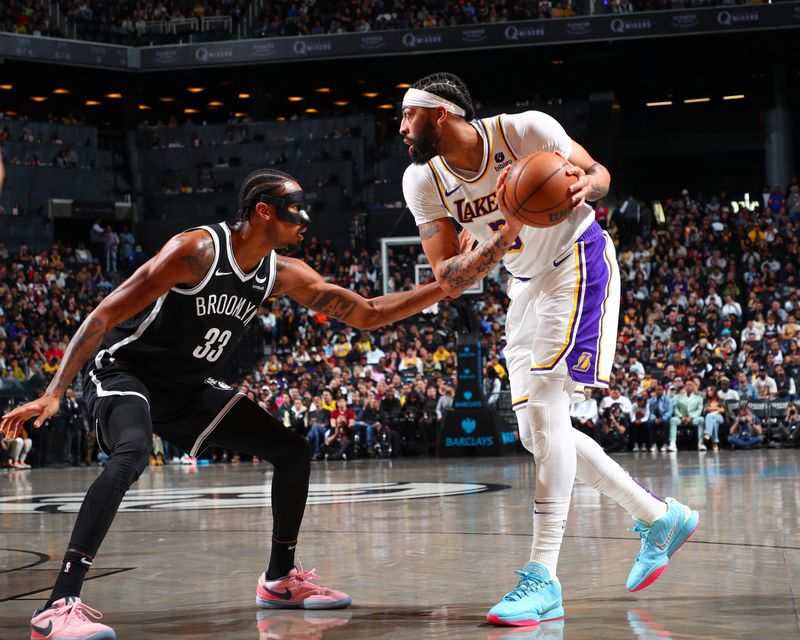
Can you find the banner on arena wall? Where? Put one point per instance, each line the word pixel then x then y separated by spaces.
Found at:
pixel 399 41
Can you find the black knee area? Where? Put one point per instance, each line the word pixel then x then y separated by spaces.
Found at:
pixel 130 435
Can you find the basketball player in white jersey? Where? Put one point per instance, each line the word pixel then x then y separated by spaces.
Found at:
pixel 561 323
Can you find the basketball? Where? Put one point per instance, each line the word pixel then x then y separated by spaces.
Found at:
pixel 537 188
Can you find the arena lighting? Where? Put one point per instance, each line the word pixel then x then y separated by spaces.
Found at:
pixel 322 90
pixel 281 118
pixel 556 62
pixel 386 106
pixel 738 96
pixel 664 103
pixel 341 103
pixel 402 85
pixel 189 111
pixel 144 107
pixel 312 110
pixel 61 92
pixel 115 96
pixel 244 96
pixel 38 98
pixel 241 114
pixel 370 94
pixel 195 89
pixel 92 103
pixel 6 87
pixel 216 103
pixel 167 99
pixel 295 98
pixel 11 114
pixel 696 100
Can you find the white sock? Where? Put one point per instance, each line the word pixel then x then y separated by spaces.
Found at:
pixel 549 521
pixel 599 471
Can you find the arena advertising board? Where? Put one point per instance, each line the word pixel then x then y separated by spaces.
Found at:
pixel 352 45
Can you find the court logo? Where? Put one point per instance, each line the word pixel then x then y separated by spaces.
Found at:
pixel 515 33
pixel 246 497
pixel 468 425
pixel 584 362
pixel 468 395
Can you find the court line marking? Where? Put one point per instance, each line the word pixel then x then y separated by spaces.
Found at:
pixel 108 572
pixel 42 558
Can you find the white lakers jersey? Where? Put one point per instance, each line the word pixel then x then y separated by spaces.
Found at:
pixel 436 190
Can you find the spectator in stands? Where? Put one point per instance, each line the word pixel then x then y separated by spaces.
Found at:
pixel 745 388
pixel 614 425
pixel 660 404
pixel 18 449
pixel 338 444
pixel 584 414
pixel 790 426
pixel 368 415
pixel 764 384
pixel 687 413
pixel 73 414
pixel 319 421
pixel 640 425
pixel 714 418
pixel 745 431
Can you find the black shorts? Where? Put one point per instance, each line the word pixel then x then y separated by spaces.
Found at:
pixel 184 415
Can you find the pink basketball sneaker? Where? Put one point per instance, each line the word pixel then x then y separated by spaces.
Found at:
pixel 296 591
pixel 66 620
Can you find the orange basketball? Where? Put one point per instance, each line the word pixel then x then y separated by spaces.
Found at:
pixel 537 189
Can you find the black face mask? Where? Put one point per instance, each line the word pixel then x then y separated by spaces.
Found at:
pixel 282 205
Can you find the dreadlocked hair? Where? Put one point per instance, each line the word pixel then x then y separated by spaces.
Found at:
pixel 450 87
pixel 258 182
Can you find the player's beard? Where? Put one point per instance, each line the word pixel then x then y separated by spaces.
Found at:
pixel 426 144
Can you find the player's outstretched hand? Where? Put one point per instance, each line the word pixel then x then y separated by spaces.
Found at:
pixel 581 189
pixel 513 221
pixel 43 407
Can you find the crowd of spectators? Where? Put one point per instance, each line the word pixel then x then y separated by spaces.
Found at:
pixel 708 353
pixel 128 22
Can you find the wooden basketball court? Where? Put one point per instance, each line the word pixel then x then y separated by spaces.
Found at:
pixel 423 546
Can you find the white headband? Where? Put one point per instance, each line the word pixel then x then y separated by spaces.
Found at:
pixel 420 98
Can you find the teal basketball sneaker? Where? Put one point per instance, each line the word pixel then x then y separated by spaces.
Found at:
pixel 537 598
pixel 660 541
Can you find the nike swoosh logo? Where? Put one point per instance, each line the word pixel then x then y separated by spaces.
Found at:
pixel 558 263
pixel 447 194
pixel 223 273
pixel 261 280
pixel 286 595
pixel 45 631
pixel 663 547
pixel 86 562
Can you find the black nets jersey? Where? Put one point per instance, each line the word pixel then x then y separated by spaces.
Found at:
pixel 187 332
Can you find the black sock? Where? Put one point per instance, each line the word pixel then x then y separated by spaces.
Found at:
pixel 70 578
pixel 281 559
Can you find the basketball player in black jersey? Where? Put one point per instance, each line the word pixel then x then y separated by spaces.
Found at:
pixel 148 349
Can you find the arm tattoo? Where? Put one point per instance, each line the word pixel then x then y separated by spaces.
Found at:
pixel 429 229
pixel 332 303
pixel 465 270
pixel 198 264
pixel 281 265
pixel 593 168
